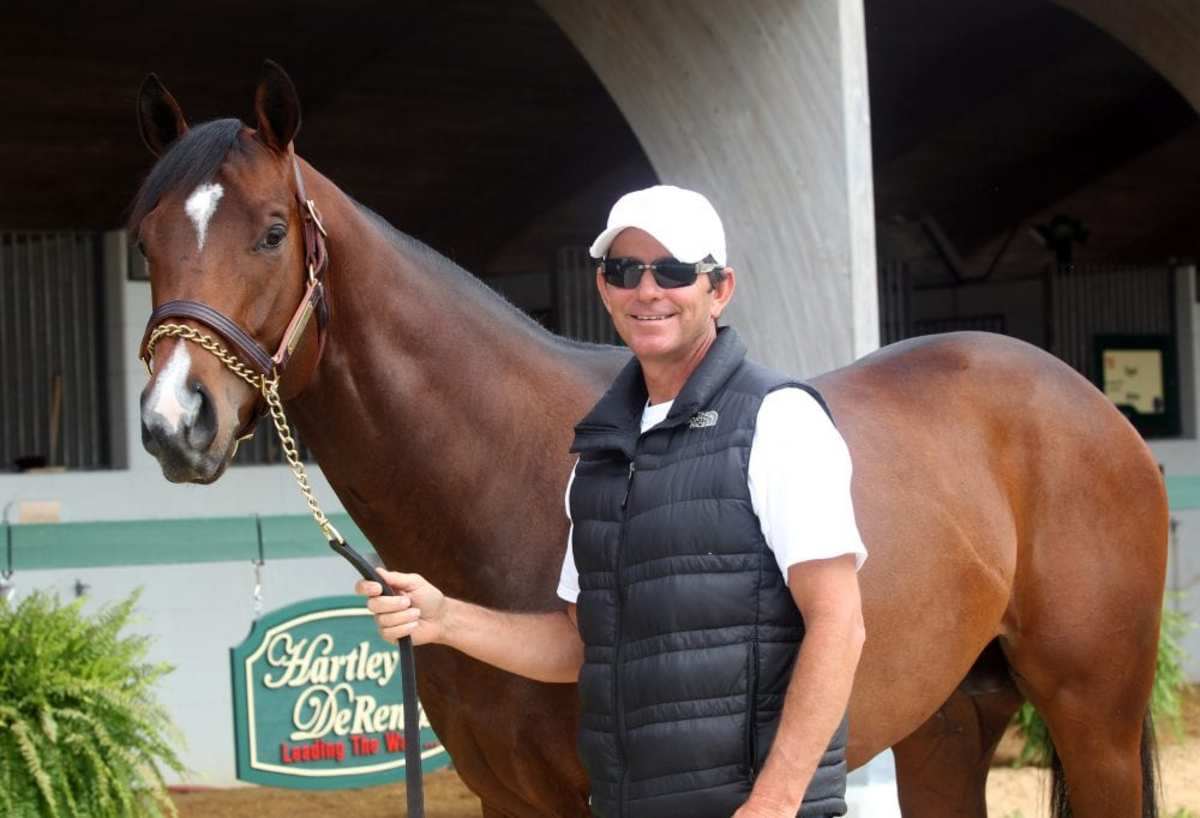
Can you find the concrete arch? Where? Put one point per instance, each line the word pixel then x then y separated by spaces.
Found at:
pixel 763 105
pixel 1164 33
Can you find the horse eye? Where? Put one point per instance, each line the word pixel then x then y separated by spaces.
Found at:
pixel 275 236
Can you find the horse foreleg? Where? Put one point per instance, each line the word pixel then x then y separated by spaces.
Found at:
pixel 942 768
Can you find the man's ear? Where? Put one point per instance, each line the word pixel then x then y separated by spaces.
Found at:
pixel 602 286
pixel 723 292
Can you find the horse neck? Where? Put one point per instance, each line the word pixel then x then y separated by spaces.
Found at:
pixel 431 393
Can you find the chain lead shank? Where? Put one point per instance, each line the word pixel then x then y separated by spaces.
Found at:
pixel 268 387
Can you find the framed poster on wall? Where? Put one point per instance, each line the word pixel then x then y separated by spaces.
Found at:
pixel 1138 374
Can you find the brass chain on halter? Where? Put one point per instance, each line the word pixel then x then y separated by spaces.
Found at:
pixel 269 389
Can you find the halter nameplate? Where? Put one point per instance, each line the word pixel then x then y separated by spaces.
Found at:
pixel 311 303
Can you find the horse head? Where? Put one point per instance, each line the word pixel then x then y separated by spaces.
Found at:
pixel 220 224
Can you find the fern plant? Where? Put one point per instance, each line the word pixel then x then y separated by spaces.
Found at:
pixel 1165 697
pixel 81 734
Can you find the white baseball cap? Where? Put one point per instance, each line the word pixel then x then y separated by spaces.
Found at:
pixel 683 221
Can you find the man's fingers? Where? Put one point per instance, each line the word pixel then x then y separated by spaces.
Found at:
pixel 386 604
pixel 366 587
pixel 395 616
pixel 401 582
pixel 398 582
pixel 395 631
pixel 391 620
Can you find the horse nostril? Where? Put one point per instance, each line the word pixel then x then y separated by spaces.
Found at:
pixel 203 428
pixel 149 440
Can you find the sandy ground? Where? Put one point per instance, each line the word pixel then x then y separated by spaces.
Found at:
pixel 1012 793
pixel 445 797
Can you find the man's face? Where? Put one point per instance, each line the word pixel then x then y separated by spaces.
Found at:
pixel 662 325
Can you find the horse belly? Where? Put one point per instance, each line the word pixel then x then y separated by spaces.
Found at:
pixel 512 740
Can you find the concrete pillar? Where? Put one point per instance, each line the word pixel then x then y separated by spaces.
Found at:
pixel 762 105
pixel 1164 33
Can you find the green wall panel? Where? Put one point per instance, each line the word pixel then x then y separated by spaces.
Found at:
pixel 168 542
pixel 1183 492
pixel 221 539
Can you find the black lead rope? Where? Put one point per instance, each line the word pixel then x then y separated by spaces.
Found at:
pixel 408 680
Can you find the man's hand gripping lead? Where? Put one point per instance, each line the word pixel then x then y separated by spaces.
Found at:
pixel 418 609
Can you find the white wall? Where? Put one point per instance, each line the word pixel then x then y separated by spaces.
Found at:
pixel 194 615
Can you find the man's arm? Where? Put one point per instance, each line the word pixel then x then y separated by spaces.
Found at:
pixel 542 646
pixel 826 592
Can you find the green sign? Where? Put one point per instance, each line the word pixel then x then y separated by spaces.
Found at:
pixel 317 701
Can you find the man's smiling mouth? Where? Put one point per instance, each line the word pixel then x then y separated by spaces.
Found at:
pixel 650 317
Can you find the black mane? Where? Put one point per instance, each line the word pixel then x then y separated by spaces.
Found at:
pixel 195 157
pixel 190 160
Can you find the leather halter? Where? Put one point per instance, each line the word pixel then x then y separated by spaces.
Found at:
pixel 314 301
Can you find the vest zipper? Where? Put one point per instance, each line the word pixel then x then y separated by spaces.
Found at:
pixel 752 709
pixel 618 698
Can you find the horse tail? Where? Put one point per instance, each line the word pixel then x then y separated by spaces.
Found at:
pixel 1060 806
pixel 1151 774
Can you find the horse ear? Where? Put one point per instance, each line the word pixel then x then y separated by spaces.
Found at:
pixel 160 119
pixel 277 106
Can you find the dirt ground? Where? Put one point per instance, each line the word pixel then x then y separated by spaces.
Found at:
pixel 1012 793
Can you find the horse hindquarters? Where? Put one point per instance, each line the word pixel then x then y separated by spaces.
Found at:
pixel 1003 496
pixel 1081 631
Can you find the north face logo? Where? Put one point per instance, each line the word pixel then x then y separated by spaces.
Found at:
pixel 703 420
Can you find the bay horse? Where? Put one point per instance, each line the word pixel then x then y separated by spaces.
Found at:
pixel 1017 524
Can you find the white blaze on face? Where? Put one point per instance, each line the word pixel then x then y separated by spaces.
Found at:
pixel 200 207
pixel 171 399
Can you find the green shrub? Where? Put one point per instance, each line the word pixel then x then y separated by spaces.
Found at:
pixel 1165 698
pixel 80 731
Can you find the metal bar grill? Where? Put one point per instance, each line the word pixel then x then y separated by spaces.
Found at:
pixel 53 388
pixel 893 302
pixel 580 312
pixel 1099 299
pixel 1077 303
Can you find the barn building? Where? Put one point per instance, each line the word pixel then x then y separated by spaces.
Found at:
pixel 886 169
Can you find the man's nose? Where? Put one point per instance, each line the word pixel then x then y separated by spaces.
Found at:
pixel 647 287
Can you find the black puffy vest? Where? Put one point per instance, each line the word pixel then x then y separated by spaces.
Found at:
pixel 690 633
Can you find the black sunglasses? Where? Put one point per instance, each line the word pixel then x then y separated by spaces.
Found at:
pixel 668 273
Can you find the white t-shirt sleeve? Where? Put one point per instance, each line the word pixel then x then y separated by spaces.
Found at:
pixel 568 578
pixel 799 480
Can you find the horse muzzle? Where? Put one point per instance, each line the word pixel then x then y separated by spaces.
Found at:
pixel 179 428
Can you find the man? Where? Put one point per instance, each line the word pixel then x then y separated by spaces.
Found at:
pixel 713 619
